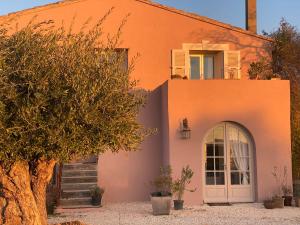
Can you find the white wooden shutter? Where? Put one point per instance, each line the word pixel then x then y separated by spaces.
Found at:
pixel 180 62
pixel 232 65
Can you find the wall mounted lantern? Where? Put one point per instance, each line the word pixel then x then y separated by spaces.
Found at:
pixel 185 129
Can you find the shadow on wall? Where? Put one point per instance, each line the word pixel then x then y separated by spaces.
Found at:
pixel 250 49
pixel 144 165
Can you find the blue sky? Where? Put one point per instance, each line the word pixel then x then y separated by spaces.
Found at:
pixel 229 11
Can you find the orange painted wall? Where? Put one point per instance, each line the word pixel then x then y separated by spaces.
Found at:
pixel 153 32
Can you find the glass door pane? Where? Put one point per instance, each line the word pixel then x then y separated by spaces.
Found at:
pixel 195 67
pixel 239 157
pixel 208 67
pixel 215 157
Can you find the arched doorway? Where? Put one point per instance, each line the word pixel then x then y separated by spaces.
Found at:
pixel 228 166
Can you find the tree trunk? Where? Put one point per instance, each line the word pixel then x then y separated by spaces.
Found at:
pixel 23 193
pixel 40 178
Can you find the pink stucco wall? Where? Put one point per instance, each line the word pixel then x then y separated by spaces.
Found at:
pixel 262 107
pixel 153 31
pixel 127 176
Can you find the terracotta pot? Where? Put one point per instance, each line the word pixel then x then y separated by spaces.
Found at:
pixel 161 205
pixel 288 200
pixel 278 202
pixel 178 204
pixel 176 77
pixel 269 204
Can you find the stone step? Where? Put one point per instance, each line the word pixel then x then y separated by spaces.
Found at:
pixel 79 173
pixel 83 179
pixel 75 194
pixel 78 186
pixel 80 166
pixel 75 201
pixel 60 209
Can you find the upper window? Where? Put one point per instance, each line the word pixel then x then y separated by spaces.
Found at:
pixel 206 62
pixel 117 56
pixel 122 53
pixel 202 66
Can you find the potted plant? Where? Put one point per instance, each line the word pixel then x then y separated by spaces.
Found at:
pixel 179 186
pixel 176 77
pixel 269 204
pixel 286 189
pixel 276 76
pixel 297 201
pixel 278 200
pixel 96 195
pixel 162 197
pixel 296 190
pixel 287 195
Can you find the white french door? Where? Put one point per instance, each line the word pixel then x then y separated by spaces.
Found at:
pixel 228 165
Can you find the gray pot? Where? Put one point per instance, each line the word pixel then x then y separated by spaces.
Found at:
pixel 178 204
pixel 161 205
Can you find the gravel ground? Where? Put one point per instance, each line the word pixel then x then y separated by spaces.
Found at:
pixel 140 214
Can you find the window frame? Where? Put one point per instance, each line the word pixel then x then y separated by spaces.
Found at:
pixel 201 57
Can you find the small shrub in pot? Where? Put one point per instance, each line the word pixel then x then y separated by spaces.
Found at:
pixel 269 204
pixel 286 189
pixel 278 200
pixel 96 195
pixel 176 77
pixel 287 195
pixel 179 186
pixel 162 197
pixel 275 202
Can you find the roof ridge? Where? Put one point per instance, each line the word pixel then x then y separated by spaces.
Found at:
pixel 203 18
pixel 58 3
pixel 148 2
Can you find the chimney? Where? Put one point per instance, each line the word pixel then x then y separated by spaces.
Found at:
pixel 251 15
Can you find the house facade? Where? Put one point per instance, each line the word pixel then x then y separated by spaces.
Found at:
pixel 239 128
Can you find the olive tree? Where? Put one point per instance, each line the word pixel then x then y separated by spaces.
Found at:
pixel 63 94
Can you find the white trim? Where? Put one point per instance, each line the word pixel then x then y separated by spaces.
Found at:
pixel 185 66
pixel 205 46
pixel 202 64
pixel 227 163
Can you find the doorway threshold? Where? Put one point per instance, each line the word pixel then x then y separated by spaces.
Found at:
pixel 220 204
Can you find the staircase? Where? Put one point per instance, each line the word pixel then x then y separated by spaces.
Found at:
pixel 76 182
